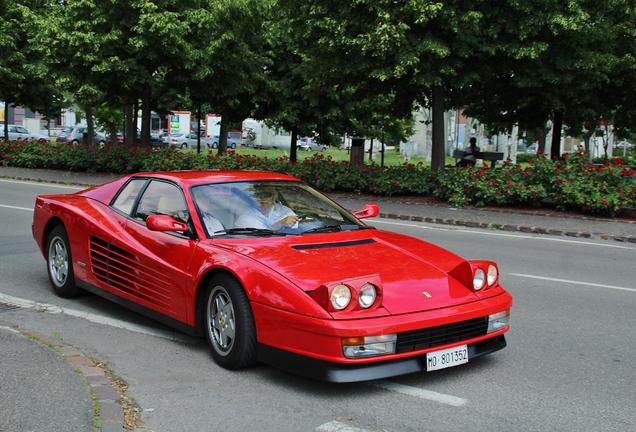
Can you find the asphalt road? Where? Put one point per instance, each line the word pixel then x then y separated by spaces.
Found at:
pixel 568 365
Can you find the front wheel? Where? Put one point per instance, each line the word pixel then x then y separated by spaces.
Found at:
pixel 184 146
pixel 229 324
pixel 60 264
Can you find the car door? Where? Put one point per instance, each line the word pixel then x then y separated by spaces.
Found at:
pixel 163 256
pixel 147 267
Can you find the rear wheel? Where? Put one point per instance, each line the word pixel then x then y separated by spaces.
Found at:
pixel 60 263
pixel 184 146
pixel 229 324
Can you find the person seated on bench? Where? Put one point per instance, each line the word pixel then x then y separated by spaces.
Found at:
pixel 470 154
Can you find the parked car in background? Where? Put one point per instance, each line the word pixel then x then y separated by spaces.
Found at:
pixel 155 140
pixel 76 136
pixel 310 144
pixel 179 140
pixel 62 132
pixel 20 133
pixel 232 142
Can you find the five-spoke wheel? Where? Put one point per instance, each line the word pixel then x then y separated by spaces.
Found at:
pixel 60 264
pixel 58 261
pixel 228 323
pixel 222 322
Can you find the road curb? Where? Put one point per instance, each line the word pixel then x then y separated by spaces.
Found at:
pixel 107 398
pixel 416 218
pixel 507 227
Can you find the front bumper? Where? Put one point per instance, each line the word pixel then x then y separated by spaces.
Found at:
pixel 322 338
pixel 344 373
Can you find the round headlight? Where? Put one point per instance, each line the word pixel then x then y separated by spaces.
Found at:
pixel 367 295
pixel 340 297
pixel 492 274
pixel 479 279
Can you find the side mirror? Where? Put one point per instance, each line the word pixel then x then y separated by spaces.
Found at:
pixel 368 211
pixel 165 223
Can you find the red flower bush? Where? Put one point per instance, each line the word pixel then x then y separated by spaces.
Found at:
pixel 572 183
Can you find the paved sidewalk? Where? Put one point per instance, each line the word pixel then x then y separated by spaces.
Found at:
pixel 48 385
pixel 421 209
pixel 39 391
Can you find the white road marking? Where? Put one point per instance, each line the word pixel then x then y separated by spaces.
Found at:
pixel 16 208
pixel 336 426
pixel 573 282
pixel 420 393
pixel 9 329
pixel 95 318
pixel 459 229
pixel 53 185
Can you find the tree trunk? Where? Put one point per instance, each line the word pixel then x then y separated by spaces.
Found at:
pixel 371 151
pixel 6 120
pixel 293 146
pixel 113 133
pixel 223 135
pixel 198 128
pixel 438 157
pixel 129 127
pixel 586 139
pixel 357 151
pixel 145 115
pixel 555 149
pixel 90 127
pixel 542 133
pixel 382 152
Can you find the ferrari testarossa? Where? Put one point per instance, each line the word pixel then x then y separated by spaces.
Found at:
pixel 270 270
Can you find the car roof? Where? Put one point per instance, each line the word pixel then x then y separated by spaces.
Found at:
pixel 196 177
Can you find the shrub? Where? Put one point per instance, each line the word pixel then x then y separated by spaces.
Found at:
pixel 572 183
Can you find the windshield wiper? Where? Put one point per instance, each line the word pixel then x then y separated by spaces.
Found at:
pixel 326 228
pixel 335 228
pixel 250 231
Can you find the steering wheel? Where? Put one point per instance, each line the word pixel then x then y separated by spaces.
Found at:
pixel 306 217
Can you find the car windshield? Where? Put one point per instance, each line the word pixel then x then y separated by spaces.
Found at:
pixel 270 208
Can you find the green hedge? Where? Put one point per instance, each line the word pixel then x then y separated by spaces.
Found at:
pixel 572 183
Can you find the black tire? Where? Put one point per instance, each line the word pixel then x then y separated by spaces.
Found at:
pixel 215 145
pixel 240 352
pixel 56 241
pixel 75 142
pixel 184 146
pixel 233 145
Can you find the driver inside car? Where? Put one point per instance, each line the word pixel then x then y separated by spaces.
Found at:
pixel 269 212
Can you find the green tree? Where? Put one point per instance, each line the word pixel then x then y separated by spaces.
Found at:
pixel 229 57
pixel 23 66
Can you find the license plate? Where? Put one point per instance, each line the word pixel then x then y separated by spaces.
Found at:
pixel 447 358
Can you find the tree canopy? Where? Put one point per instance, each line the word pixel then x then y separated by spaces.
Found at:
pixel 326 66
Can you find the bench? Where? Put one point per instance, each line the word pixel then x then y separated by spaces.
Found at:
pixel 486 156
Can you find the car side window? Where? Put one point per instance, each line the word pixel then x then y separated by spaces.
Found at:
pixel 126 198
pixel 162 198
pixel 20 129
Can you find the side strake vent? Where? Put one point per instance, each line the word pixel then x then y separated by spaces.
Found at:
pixel 122 270
pixel 334 244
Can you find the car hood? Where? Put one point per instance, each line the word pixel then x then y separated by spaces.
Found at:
pixel 415 275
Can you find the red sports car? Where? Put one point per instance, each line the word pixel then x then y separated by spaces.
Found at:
pixel 270 270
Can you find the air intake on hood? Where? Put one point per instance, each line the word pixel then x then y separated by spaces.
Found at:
pixel 333 245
